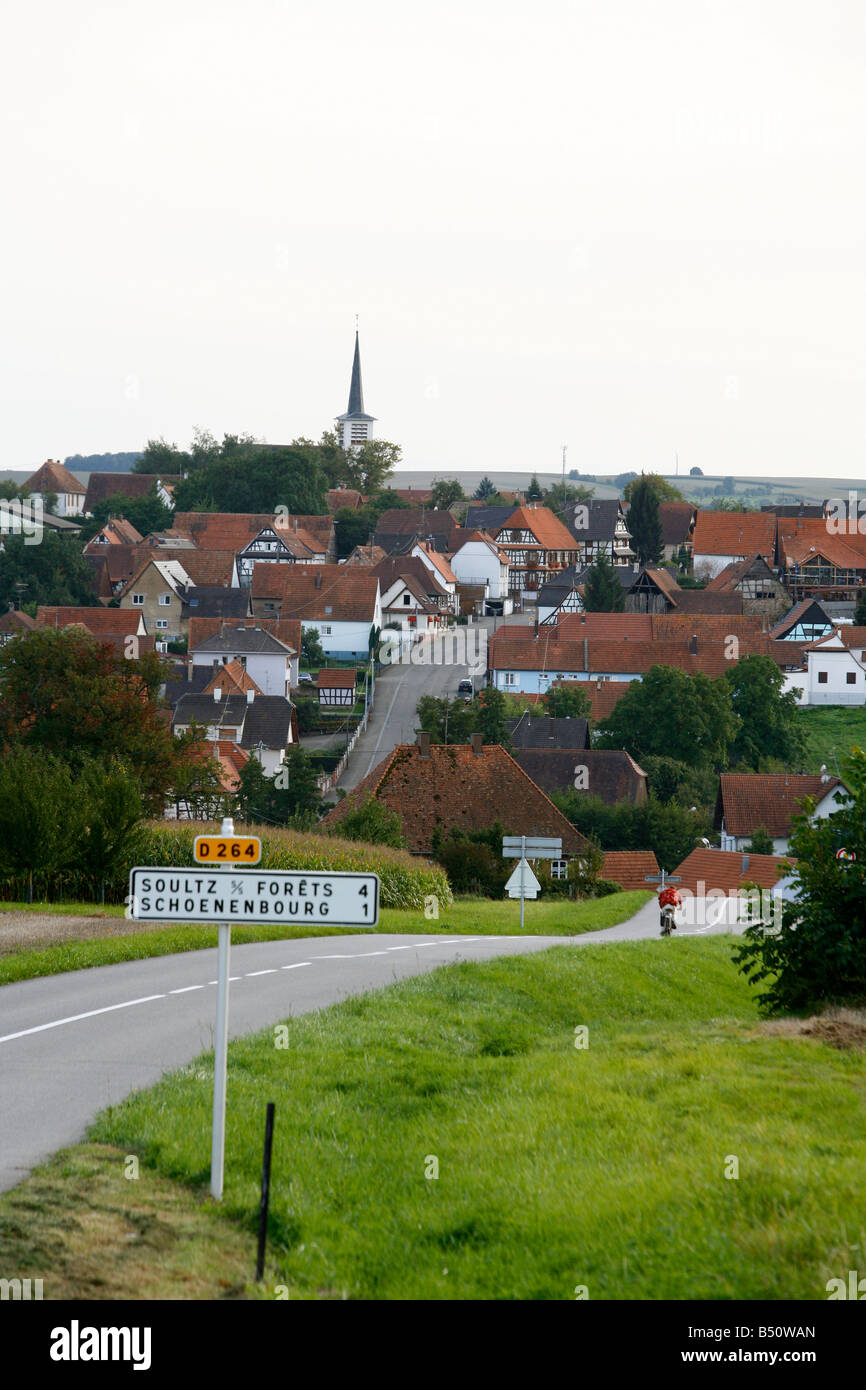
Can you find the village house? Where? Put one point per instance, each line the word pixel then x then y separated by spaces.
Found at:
pixel 14 623
pixel 478 562
pixel 607 773
pixel 805 622
pixel 756 584
pixel 398 530
pixel 655 590
pixel 599 527
pixel 158 591
pixel 835 670
pixel 818 562
pixel 344 606
pixel 724 538
pixel 336 687
pixel 263 725
pixel 678 524
pixel 436 561
pixel 102 486
pixel 538 547
pixel 54 477
pixel 468 786
pixel 559 596
pixel 747 802
pixel 270 662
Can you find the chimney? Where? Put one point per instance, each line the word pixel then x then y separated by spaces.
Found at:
pixel 217 695
pixel 424 743
pixel 251 695
pixel 693 645
pixel 318 580
pixel 745 864
pixel 189 668
pixel 477 741
pixel 586 654
pixel 216 664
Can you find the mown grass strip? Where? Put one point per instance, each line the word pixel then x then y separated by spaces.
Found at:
pixel 556 916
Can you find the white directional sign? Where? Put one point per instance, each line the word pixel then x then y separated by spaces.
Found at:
pixel 245 895
pixel 523 882
pixel 533 846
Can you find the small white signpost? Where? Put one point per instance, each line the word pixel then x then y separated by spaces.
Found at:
pixel 224 894
pixel 520 884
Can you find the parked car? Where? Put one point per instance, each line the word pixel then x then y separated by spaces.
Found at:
pixel 465 689
pixel 304 678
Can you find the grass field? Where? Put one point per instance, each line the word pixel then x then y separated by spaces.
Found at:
pixel 551 916
pixel 559 1167
pixel 831 732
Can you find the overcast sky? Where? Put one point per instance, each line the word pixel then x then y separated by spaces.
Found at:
pixel 633 228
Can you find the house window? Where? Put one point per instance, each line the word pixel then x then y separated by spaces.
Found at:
pixel 559 868
pixel 822 677
pixel 138 600
pixel 510 678
pixel 164 600
pixel 851 677
pixel 162 622
pixel 407 598
pixel 325 629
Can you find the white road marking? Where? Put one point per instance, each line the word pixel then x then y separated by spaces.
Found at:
pixel 384 726
pixel 74 1018
pixel 295 967
pixel 186 989
pixel 250 973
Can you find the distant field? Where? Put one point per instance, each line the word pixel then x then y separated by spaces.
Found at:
pixel 831 732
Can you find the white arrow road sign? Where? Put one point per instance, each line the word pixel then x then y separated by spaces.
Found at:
pixel 245 895
pixel 531 886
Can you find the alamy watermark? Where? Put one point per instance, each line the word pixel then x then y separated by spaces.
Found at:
pixel 464 646
pixel 23 518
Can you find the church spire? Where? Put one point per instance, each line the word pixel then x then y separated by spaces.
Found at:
pixel 355 427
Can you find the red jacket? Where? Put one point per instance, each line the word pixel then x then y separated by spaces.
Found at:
pixel 669 897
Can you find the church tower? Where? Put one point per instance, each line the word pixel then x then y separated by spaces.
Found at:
pixel 355 427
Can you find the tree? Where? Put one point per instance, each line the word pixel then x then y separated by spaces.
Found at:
pixel 446 721
pixel 369 466
pixel 623 479
pixel 39 814
pixel 164 459
pixel 761 841
pixel 291 796
pixel 769 721
pixel 696 472
pixel 251 477
pixel 66 694
pixel 372 822
pixel 860 609
pixel 644 524
pixel 668 829
pixel 147 513
pixel 447 491
pixel 567 700
pixel 562 495
pixel 673 715
pixel 491 716
pixel 312 652
pixel 484 490
pixel 534 492
pixel 602 591
pixel 664 491
pixel 53 572
pixel 816 953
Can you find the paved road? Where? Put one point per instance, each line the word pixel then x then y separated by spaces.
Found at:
pixel 398 690
pixel 72 1044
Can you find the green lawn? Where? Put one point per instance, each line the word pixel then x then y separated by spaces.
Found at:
pixel 831 732
pixel 601 1166
pixel 552 916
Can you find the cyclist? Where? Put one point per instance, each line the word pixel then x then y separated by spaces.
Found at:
pixel 669 901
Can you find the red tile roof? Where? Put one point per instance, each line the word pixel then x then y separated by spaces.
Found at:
pixel 103 485
pixel 54 476
pixel 749 800
pixel 309 591
pixel 232 679
pixel 798 534
pixel 337 678
pixel 603 696
pixel 629 868
pixel 735 533
pixel 545 526
pixel 343 497
pixel 704 870
pixel 455 786
pixel 118 621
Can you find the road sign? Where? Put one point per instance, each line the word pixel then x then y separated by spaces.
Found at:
pixel 250 895
pixel 662 878
pixel 847 854
pixel 225 849
pixel 523 882
pixel 533 846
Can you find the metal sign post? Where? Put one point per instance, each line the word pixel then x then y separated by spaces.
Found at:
pixel 662 878
pixel 538 847
pixel 223 894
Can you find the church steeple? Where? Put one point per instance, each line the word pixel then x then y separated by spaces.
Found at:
pixel 355 426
